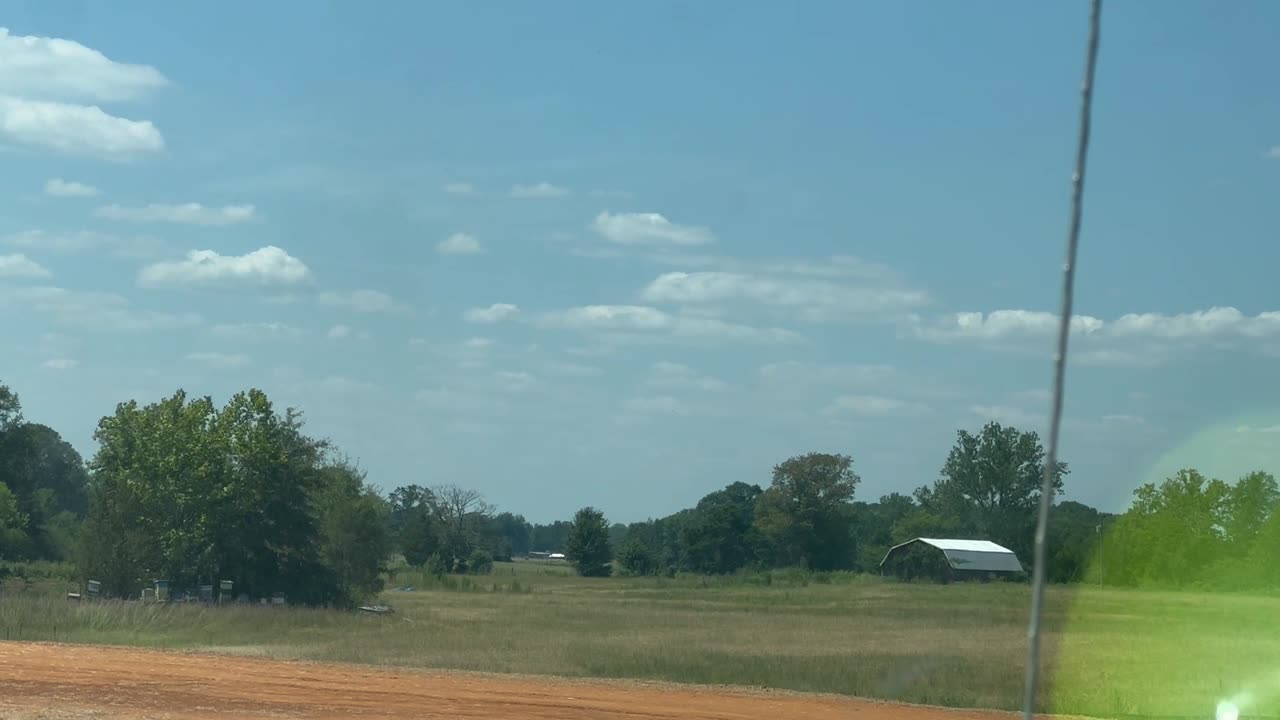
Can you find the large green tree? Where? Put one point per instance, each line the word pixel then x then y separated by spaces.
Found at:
pixel 1249 504
pixel 1074 533
pixel 550 538
pixel 874 525
pixel 635 558
pixel 355 537
pixel 720 536
pixel 1171 535
pixel 10 409
pixel 14 542
pixel 587 546
pixel 450 523
pixel 186 492
pixel 413 523
pixel 663 539
pixel 464 520
pixel 42 460
pixel 1262 563
pixel 403 502
pixel 513 533
pixel 989 486
pixel 47 481
pixel 805 516
pixel 152 509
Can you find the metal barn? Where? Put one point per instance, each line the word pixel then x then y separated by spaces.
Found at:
pixel 945 560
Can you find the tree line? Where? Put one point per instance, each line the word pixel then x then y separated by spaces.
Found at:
pixel 184 490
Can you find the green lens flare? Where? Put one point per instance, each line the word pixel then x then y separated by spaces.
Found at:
pixel 1181 592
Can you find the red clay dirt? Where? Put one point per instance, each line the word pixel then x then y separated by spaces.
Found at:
pixel 48 680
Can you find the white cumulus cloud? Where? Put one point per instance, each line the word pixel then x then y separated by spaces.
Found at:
pixel 339 332
pixel 648 229
pixel 542 190
pixel 1214 322
pixel 813 300
pixel 42 79
pixel 1131 340
pixel 186 213
pixel 640 322
pixel 49 67
pixel 1000 324
pixel 20 266
pixel 57 187
pixel 75 129
pixel 1004 323
pixel 459 244
pixel 495 313
pixel 265 267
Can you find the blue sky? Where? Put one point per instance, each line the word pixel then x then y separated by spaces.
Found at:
pixel 624 254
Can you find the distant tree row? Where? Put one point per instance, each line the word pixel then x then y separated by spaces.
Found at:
pixel 989 488
pixel 193 493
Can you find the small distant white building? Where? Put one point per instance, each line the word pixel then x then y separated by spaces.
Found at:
pixel 544 555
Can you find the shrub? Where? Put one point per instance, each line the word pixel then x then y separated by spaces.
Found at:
pixel 436 566
pixel 635 558
pixel 480 562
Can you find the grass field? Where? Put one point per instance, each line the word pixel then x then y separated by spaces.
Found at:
pixel 1108 652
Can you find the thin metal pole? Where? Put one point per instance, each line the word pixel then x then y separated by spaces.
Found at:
pixel 1059 368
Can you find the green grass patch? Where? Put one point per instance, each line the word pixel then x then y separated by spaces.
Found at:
pixel 1108 652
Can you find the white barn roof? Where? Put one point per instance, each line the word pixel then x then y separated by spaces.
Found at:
pixel 971 545
pixel 980 555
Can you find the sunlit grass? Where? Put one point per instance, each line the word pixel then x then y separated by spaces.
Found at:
pixel 1109 652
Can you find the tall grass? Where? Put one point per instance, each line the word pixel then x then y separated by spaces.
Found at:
pixel 1109 652
pixel 419 581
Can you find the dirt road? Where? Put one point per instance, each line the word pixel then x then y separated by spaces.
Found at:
pixel 57 682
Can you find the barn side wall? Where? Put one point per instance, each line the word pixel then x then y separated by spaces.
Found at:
pixel 918 561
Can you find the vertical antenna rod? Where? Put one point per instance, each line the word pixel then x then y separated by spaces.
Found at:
pixel 1059 367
